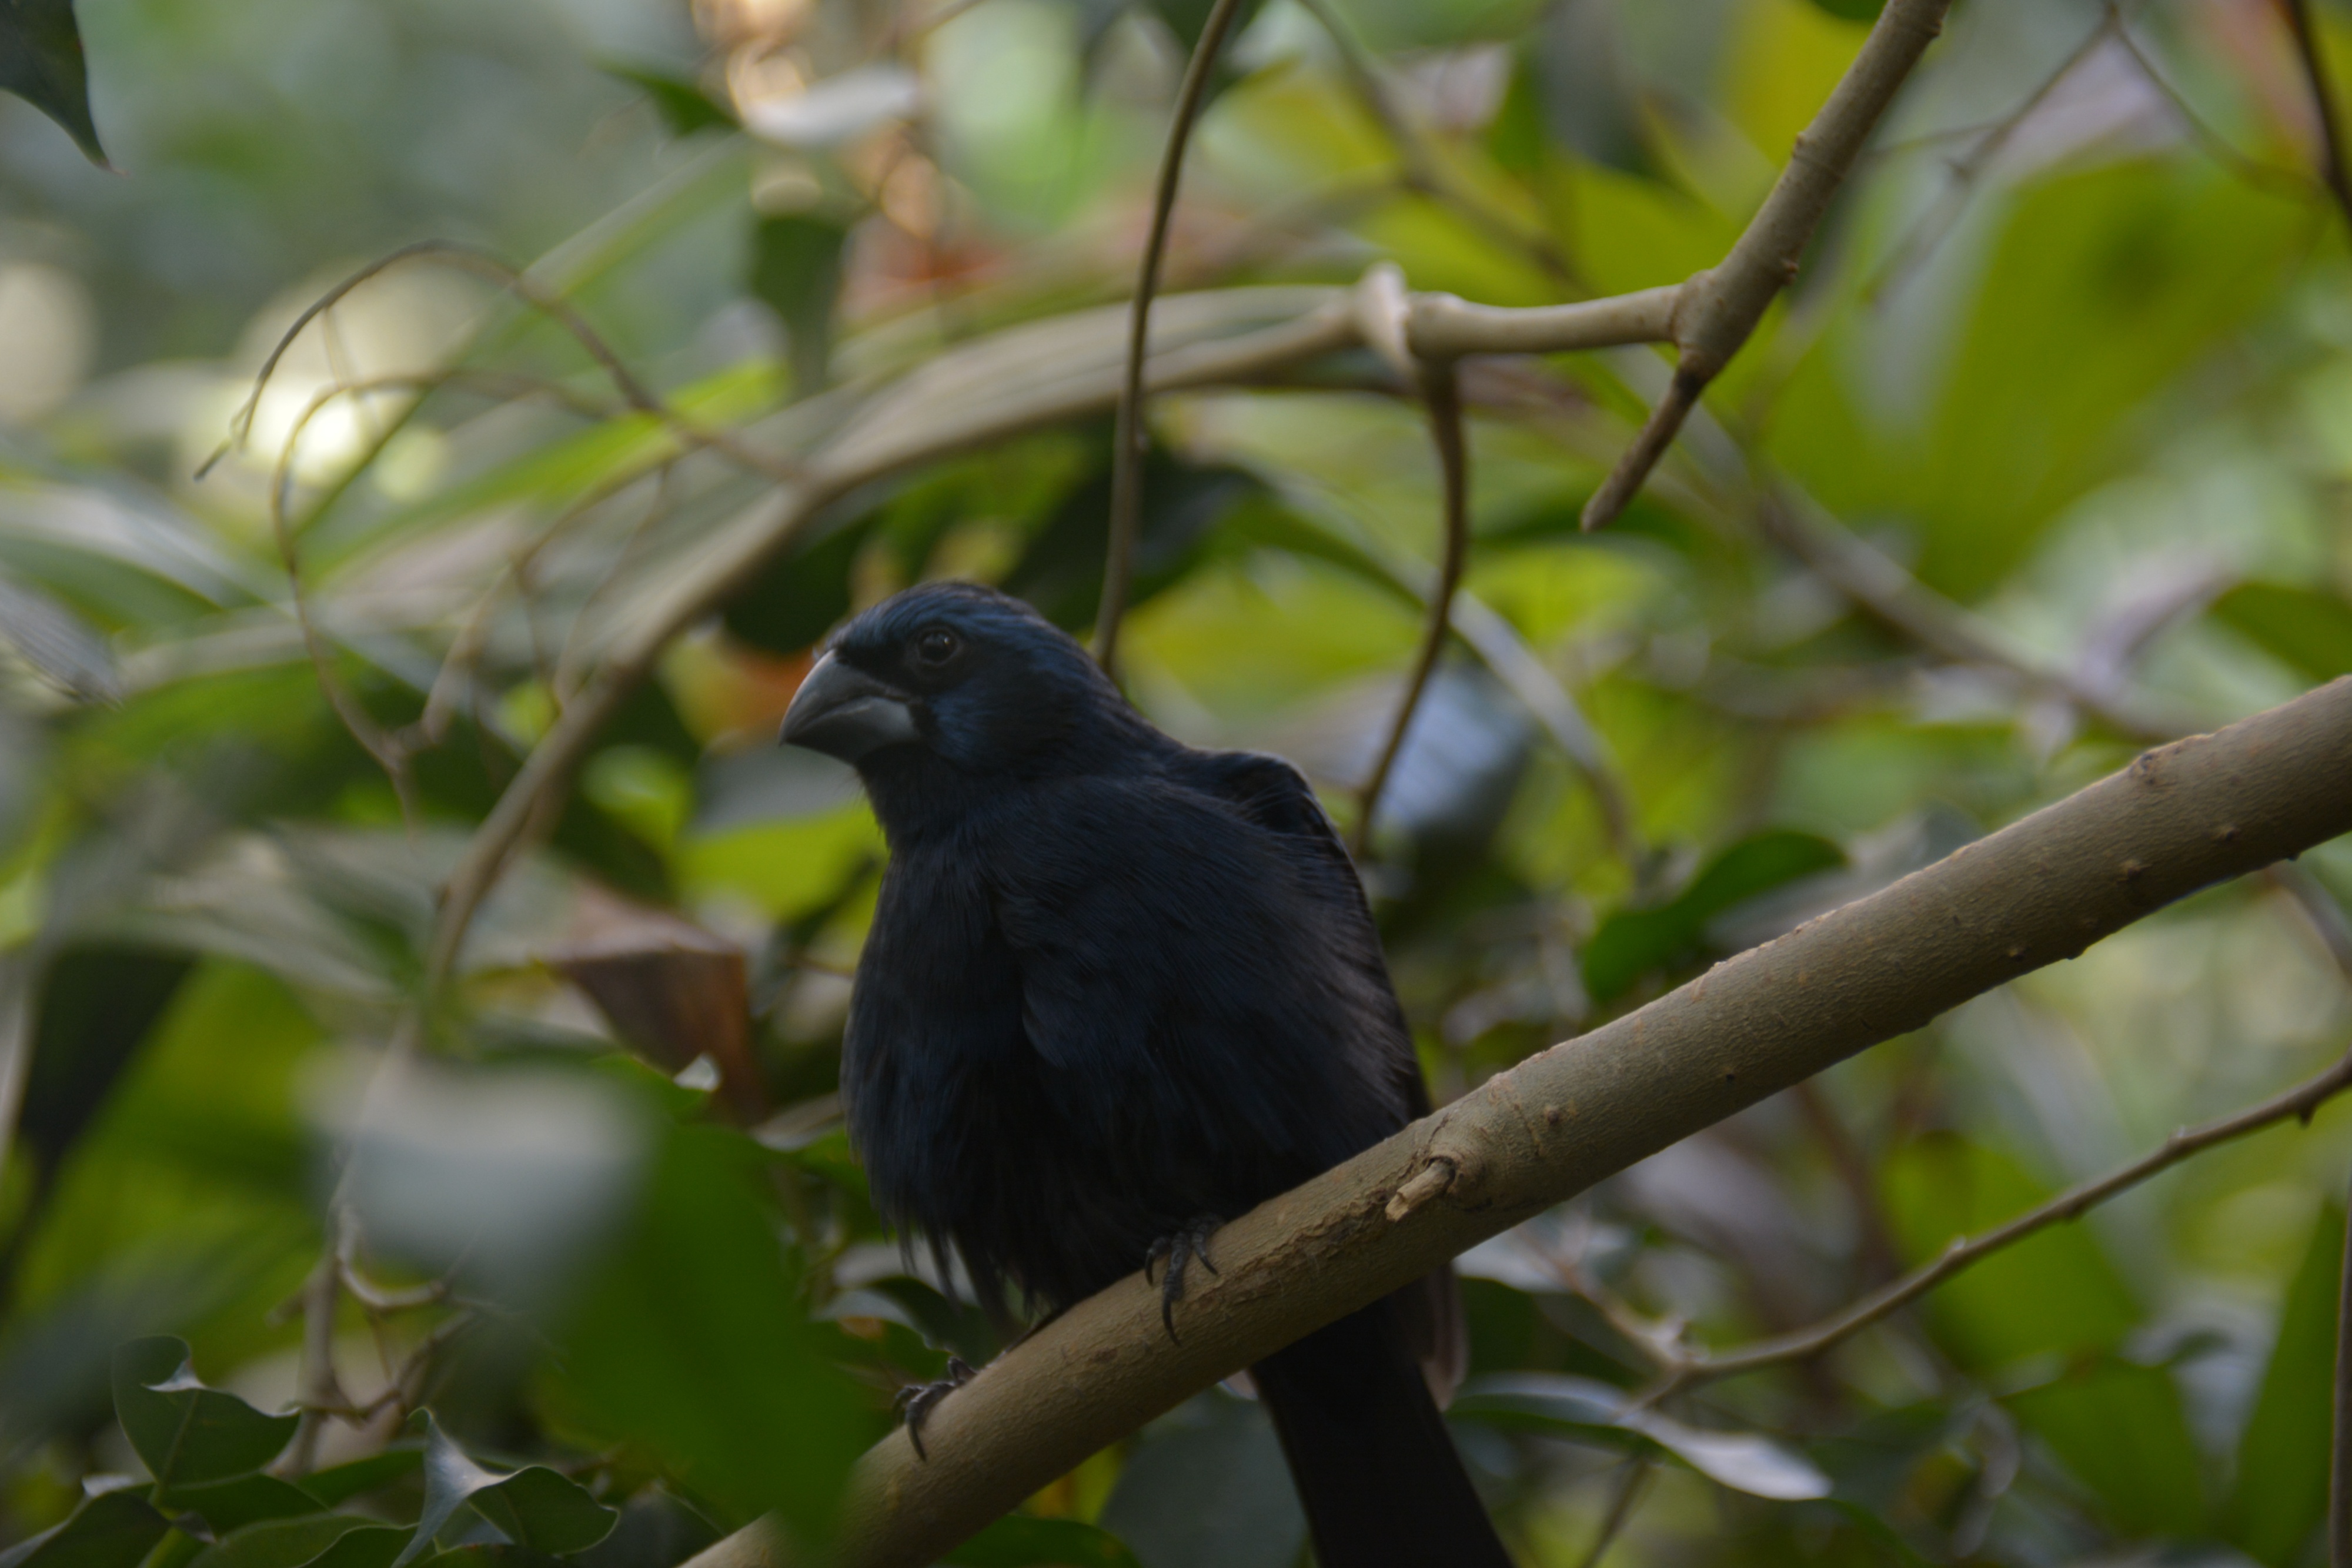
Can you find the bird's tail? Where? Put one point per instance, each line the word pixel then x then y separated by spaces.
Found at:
pixel 1369 1452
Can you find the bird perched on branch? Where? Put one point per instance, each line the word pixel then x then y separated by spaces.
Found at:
pixel 1117 990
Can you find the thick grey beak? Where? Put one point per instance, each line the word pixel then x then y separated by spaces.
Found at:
pixel 844 712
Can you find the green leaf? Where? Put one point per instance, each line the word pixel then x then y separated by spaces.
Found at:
pixel 1852 10
pixel 2282 1473
pixel 188 1435
pixel 299 1543
pixel 375 1547
pixel 2103 286
pixel 338 1483
pixel 41 62
pixel 1574 77
pixel 684 107
pixel 796 269
pixel 692 1343
pixel 1592 1412
pixel 2120 1428
pixel 112 1530
pixel 2303 628
pixel 1017 1541
pixel 243 1500
pixel 55 640
pixel 1634 942
pixel 1206 1489
pixel 532 1507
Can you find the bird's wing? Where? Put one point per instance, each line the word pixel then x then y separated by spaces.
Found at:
pixel 1276 796
pixel 1273 794
pixel 1178 960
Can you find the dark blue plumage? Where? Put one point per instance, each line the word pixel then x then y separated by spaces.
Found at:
pixel 1113 984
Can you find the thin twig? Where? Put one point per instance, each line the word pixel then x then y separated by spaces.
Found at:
pixel 2220 148
pixel 1968 169
pixel 392 750
pixel 1621 1508
pixel 2323 104
pixel 2297 1103
pixel 1658 1339
pixel 318 1389
pixel 519 283
pixel 381 1299
pixel 1424 172
pixel 373 738
pixel 1625 478
pixel 565 681
pixel 2319 910
pixel 1721 307
pixel 1444 398
pixel 1879 585
pixel 1127 448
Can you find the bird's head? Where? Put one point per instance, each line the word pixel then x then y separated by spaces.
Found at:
pixel 955 673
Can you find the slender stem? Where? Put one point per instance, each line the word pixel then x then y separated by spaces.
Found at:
pixel 1127 448
pixel 1444 398
pixel 1879 586
pixel 2319 910
pixel 2297 1103
pixel 1624 480
pixel 1723 305
pixel 2322 103
pixel 1968 169
pixel 1422 169
pixel 2253 170
pixel 1621 1508
pixel 548 302
pixel 318 1390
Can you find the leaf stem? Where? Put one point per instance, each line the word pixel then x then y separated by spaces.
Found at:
pixel 1127 441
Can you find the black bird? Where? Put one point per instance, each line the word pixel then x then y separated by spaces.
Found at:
pixel 1116 989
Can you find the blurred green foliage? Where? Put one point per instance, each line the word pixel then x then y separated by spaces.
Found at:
pixel 2082 370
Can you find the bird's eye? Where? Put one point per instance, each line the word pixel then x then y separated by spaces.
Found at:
pixel 937 646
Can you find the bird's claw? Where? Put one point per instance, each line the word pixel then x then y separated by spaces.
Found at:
pixel 1190 1244
pixel 916 1400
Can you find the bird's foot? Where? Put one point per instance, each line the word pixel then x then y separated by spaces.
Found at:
pixel 916 1400
pixel 1191 1244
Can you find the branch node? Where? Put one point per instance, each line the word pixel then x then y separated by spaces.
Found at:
pixel 1381 309
pixel 1431 1180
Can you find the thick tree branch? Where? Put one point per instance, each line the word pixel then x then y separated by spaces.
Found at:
pixel 2181 817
